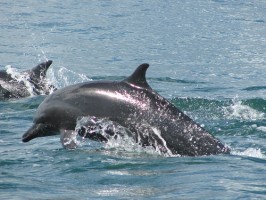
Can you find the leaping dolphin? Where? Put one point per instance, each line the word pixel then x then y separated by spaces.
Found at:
pixel 11 87
pixel 150 118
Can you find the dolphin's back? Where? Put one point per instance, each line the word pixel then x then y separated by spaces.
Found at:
pixel 82 100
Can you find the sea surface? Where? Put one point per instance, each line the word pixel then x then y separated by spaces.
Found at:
pixel 208 57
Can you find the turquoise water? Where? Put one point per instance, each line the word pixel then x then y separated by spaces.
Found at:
pixel 207 57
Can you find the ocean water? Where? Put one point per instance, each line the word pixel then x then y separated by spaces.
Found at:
pixel 208 57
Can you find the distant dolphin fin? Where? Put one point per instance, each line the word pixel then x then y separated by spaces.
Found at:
pixel 40 70
pixel 138 78
pixel 38 130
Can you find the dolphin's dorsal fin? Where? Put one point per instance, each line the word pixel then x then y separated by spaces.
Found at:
pixel 40 70
pixel 138 78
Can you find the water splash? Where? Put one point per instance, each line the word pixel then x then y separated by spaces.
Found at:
pixel 69 139
pixel 61 77
pixel 261 128
pixel 158 148
pixel 113 136
pixel 24 77
pixel 237 110
pixel 21 77
pixel 250 152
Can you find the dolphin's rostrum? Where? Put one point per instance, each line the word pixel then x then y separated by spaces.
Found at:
pixel 130 103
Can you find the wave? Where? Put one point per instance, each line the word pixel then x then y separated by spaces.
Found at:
pixel 247 109
pixel 174 80
pixel 240 123
pixel 250 152
pixel 255 88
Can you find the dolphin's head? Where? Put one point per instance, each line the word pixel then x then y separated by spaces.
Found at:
pixel 39 130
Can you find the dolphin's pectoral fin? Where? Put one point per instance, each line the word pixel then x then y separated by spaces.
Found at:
pixel 39 130
pixel 68 139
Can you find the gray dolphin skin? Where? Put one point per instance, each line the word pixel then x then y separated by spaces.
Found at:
pixel 151 119
pixel 12 88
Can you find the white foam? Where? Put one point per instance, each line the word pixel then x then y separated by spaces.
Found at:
pixel 262 128
pixel 69 139
pixel 21 77
pixel 250 152
pixel 61 77
pixel 158 133
pixel 243 112
pixel 25 79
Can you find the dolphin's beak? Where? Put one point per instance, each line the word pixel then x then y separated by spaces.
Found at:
pixel 38 130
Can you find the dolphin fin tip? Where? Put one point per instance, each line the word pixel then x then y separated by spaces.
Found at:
pixel 49 62
pixel 138 77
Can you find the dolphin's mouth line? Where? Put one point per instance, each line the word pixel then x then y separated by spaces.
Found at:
pixel 39 130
